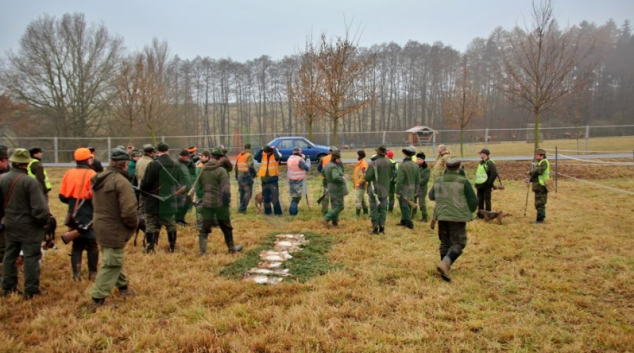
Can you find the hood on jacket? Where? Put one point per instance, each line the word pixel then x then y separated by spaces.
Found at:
pixel 98 180
pixel 212 164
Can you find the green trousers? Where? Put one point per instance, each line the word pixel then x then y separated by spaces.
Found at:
pixel 31 266
pixel 110 273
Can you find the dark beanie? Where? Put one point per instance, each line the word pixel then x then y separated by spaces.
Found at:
pixel 361 154
pixel 420 155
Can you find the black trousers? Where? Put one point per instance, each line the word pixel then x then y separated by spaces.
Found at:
pixel 484 199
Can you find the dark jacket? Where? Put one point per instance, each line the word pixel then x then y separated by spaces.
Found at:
pixel 334 179
pixel 383 168
pixel 423 178
pixel 188 170
pixel 407 179
pixel 115 216
pixel 213 186
pixel 27 211
pixel 74 188
pixel 163 177
pixel 132 172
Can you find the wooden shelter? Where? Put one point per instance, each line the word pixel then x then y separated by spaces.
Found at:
pixel 421 135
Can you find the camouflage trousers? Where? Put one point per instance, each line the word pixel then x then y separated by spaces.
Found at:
pixel 541 197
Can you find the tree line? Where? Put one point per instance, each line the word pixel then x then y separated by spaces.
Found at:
pixel 70 78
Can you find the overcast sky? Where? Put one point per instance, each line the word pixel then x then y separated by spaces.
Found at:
pixel 247 29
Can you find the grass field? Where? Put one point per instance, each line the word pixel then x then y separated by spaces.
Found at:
pixel 565 286
pixel 623 144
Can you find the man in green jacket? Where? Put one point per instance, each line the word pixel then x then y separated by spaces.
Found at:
pixel 455 203
pixel 406 185
pixel 423 179
pixel 114 221
pixel 379 174
pixel 25 214
pixel 335 185
pixel 539 178
pixel 213 188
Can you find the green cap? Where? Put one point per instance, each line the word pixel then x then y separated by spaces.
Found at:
pixel 119 154
pixel 217 151
pixel 21 155
pixel 410 151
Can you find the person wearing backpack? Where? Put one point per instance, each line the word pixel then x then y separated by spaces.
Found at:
pixel 485 177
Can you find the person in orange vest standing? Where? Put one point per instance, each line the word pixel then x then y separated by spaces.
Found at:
pixel 297 166
pixel 76 192
pixel 325 202
pixel 269 159
pixel 360 185
pixel 245 172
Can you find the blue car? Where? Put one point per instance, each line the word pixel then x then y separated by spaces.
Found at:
pixel 286 144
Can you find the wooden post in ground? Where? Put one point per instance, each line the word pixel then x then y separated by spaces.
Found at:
pixel 556 167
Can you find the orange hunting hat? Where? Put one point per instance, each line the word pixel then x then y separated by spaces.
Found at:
pixel 82 154
pixel 192 149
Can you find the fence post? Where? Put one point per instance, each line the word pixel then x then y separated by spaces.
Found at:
pixel 587 136
pixel 486 138
pixel 109 147
pixel 556 167
pixel 383 140
pixel 56 149
pixel 162 138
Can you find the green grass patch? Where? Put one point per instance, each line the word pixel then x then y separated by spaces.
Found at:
pixel 311 261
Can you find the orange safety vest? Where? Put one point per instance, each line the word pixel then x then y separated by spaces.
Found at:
pixel 325 160
pixel 272 165
pixel 241 162
pixel 76 183
pixel 295 172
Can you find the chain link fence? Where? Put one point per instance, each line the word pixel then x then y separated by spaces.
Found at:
pixel 60 149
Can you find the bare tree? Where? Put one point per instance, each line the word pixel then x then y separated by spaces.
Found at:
pixel 338 66
pixel 130 88
pixel 63 71
pixel 539 61
pixel 462 103
pixel 305 87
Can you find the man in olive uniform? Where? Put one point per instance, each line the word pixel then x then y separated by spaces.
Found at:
pixel 325 200
pixel 213 188
pixel 423 179
pixel 406 185
pixel 455 203
pixel 335 185
pixel 485 177
pixel 115 219
pixel 139 171
pixel 391 199
pixel 378 176
pixel 164 187
pixel 441 161
pixel 25 212
pixel 539 176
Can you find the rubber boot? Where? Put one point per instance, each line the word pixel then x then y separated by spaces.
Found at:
pixel 75 264
pixel 381 228
pixel 202 244
pixel 229 242
pixel 375 228
pixel 365 210
pixel 150 239
pixel 171 237
pixel 93 260
pixel 444 269
pixel 358 213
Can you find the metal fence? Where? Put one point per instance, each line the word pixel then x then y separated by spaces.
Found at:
pixel 60 149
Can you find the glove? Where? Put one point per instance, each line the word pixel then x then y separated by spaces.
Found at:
pixel 226 200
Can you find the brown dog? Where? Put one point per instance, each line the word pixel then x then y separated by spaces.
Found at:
pixel 491 215
pixel 259 202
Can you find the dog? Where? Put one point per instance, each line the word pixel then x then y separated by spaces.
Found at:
pixel 259 202
pixel 49 234
pixel 491 215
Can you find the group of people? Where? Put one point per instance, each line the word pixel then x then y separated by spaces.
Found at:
pixel 105 206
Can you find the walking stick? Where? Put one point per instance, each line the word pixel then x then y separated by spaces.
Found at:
pixel 305 191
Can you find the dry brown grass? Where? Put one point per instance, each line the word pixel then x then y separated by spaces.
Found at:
pixel 565 286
